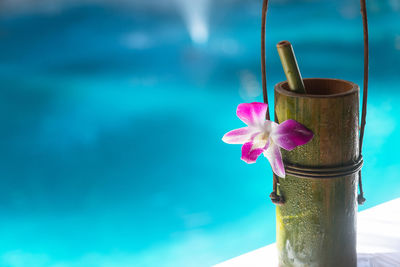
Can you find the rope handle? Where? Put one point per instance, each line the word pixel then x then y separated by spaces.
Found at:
pixel 275 198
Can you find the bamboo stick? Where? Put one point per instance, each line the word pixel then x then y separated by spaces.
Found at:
pixel 290 67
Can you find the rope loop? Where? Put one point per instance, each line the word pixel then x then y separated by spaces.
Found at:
pixel 296 170
pixel 323 172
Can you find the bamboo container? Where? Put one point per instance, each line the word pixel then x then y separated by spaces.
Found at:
pixel 316 226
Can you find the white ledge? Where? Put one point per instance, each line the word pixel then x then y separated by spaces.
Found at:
pixel 378 241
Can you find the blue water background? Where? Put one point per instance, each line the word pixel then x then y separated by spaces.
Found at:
pixel 112 118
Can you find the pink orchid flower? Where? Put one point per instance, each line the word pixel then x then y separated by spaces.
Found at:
pixel 267 137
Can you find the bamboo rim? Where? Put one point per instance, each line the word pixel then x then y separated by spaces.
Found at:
pixel 347 87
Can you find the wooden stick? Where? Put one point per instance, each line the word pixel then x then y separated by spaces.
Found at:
pixel 290 67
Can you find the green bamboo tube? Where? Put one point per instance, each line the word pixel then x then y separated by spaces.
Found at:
pixel 290 67
pixel 316 226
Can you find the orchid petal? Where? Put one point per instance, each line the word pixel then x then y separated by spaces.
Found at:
pixel 290 134
pixel 238 136
pixel 251 150
pixel 253 114
pixel 274 156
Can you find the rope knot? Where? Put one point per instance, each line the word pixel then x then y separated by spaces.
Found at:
pixel 277 200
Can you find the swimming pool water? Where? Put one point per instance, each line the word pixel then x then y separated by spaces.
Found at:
pixel 112 120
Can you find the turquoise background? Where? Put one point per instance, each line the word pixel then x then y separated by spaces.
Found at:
pixel 112 116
